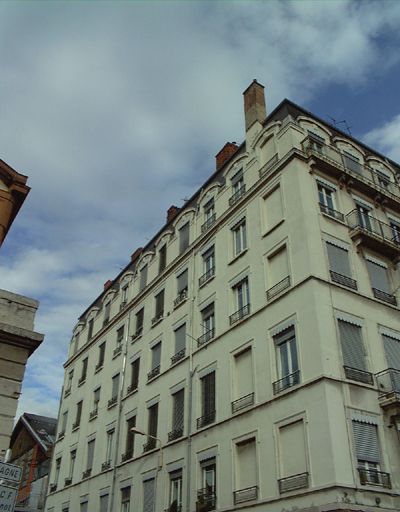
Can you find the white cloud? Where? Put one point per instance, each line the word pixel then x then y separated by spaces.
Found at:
pixel 386 138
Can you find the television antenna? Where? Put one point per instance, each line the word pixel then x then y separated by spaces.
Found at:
pixel 343 122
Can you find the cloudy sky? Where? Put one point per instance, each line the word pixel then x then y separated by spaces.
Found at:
pixel 115 111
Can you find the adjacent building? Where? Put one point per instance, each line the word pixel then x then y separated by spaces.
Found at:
pixel 249 356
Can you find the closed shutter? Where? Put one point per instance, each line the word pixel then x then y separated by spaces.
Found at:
pixel 366 441
pixel 143 277
pixel 184 237
pixel 180 338
pixel 135 366
pixel 278 266
pixel 352 162
pixel 208 384
pixel 160 303
pixel 126 494
pixel 338 260
pixel 392 351
pixel 115 385
pixel 292 449
pixel 148 495
pixel 246 468
pixel 153 420
pixel 90 454
pixel 182 281
pixel 273 208
pixel 156 356
pixel 352 345
pixel 378 276
pixel 84 506
pixel 130 436
pixel 244 373
pixel 178 413
pixel 104 503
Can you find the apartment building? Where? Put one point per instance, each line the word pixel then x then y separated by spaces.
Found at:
pixel 249 356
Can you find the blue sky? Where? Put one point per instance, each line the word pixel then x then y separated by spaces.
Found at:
pixel 115 111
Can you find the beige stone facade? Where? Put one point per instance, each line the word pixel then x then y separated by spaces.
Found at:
pixel 257 337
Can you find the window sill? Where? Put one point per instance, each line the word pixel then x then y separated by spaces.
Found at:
pixel 98 369
pixel 81 382
pixel 238 256
pixel 272 228
pixel 330 217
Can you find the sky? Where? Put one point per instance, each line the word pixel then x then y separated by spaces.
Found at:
pixel 115 110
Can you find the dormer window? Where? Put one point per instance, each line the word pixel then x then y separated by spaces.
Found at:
pixel 238 187
pixel 162 261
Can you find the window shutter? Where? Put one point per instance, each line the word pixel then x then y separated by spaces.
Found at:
pixel 148 495
pixel 273 207
pixel 378 276
pixel 246 464
pixel 135 366
pixel 182 281
pixel 178 413
pixel 352 345
pixel 293 449
pixel 278 266
pixel 125 494
pixel 208 393
pixel 156 355
pixel 244 374
pixel 104 503
pixel 90 454
pixel 338 260
pixel 115 385
pixel 366 441
pixel 184 237
pixel 392 351
pixel 153 420
pixel 180 338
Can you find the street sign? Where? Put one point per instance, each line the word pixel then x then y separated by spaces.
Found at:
pixel 8 495
pixel 10 472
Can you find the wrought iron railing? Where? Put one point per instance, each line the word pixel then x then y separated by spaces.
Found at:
pixel 206 499
pixel 157 318
pixel 86 473
pixel 206 419
pixel 76 425
pixel 331 212
pixel 53 487
pixel 388 381
pixel 67 481
pixel 286 382
pixel 153 373
pixel 241 403
pixel 93 414
pixel 248 494
pixel 175 434
pixel 374 477
pixel 113 400
pixel 238 315
pixel 98 367
pixel 117 351
pixel 81 380
pixel 208 223
pixel 237 195
pixel 106 465
pixel 106 321
pixel 178 356
pixel 150 445
pixel 182 296
pixel 206 337
pixel 132 387
pixel 278 288
pixel 386 297
pixel 343 280
pixel 127 456
pixel 67 392
pixel 137 334
pixel 371 225
pixel 266 167
pixel 207 276
pixel 61 435
pixel 358 375
pixel 122 305
pixel 291 483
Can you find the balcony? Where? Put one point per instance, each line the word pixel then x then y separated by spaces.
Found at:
pixel 181 298
pixel 240 314
pixel 207 276
pixel 150 445
pixel 206 499
pixel 106 321
pixel 350 171
pixel 93 414
pixel 113 401
pixel 76 425
pixel 117 351
pixel 343 280
pixel 248 494
pixel 132 388
pixel 86 473
pixel 374 477
pixel 137 334
pixel 358 375
pixel 237 195
pixel 67 392
pixel 331 212
pixel 292 483
pixel 386 297
pixel 278 288
pixel 286 382
pixel 154 372
pixel 242 403
pixel 67 481
pixel 266 167
pixel 157 319
pixel 53 487
pixel 369 232
pixel 388 382
pixel 208 223
pixel 205 420
pixel 61 435
pixel 206 337
pixel 175 434
pixel 178 356
pixel 106 465
pixel 127 456
pixel 123 305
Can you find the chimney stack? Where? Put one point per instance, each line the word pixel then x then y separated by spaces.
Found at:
pixel 172 212
pixel 136 253
pixel 107 284
pixel 224 155
pixel 254 104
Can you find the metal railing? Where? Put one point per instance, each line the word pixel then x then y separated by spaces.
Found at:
pixel 206 419
pixel 117 351
pixel 238 315
pixel 98 367
pixel 278 288
pixel 358 375
pixel 178 356
pixel 127 456
pixel 266 167
pixel 374 477
pixel 291 483
pixel 81 380
pixel 137 334
pixel 248 494
pixel 208 223
pixel 206 499
pixel 206 337
pixel 122 305
pixel 131 388
pixel 113 400
pixel 61 435
pixel 207 276
pixel 241 403
pixel 371 225
pixel 76 425
pixel 93 414
pixel 388 381
pixel 343 280
pixel 175 434
pixel 331 212
pixel 237 195
pixel 86 473
pixel 106 465
pixel 67 392
pixel 150 445
pixel 53 487
pixel 286 382
pixel 153 373
pixel 386 297
pixel 157 318
pixel 182 296
pixel 67 481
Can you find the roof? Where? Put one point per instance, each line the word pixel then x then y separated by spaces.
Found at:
pixel 42 429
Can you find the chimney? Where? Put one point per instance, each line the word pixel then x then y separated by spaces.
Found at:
pixel 172 212
pixel 254 104
pixel 107 284
pixel 224 155
pixel 136 253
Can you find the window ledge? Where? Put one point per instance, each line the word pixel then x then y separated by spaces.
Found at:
pixel 272 228
pixel 98 369
pixel 330 217
pixel 238 256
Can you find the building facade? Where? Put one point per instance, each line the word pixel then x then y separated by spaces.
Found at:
pixel 255 341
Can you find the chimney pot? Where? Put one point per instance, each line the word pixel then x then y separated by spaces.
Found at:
pixel 107 284
pixel 136 253
pixel 254 104
pixel 225 154
pixel 172 212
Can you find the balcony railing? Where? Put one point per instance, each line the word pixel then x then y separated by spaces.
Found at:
pixel 178 356
pixel 248 494
pixel 291 483
pixel 106 465
pixel 81 380
pixel 132 388
pixel 206 499
pixel 122 305
pixel 182 296
pixel 106 321
pixel 243 402
pixel 157 318
pixel 117 351
pixel 53 487
pixel 207 419
pixel 388 382
pixel 93 414
pixel 278 288
pixel 150 445
pixel 238 315
pixel 175 434
pixel 343 280
pixel 237 195
pixel 206 337
pixel 331 212
pixel 76 425
pixel 358 375
pixel 207 276
pixel 286 382
pixel 154 372
pixel 61 435
pixel 98 367
pixel 67 481
pixel 374 477
pixel 266 167
pixel 67 392
pixel 113 400
pixel 137 334
pixel 86 473
pixel 208 223
pixel 127 456
pixel 386 297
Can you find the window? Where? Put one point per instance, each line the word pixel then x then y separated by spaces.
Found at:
pixel 84 506
pixel 104 503
pixel 382 179
pixel 96 400
pixel 178 408
pixel 90 329
pixel 84 370
pixel 159 310
pixel 76 343
pixel 238 187
pixel 68 385
pixel 184 238
pixel 78 415
pixel 120 336
pixel 239 237
pixel 182 282
pixel 243 380
pixel 208 324
pixel 278 272
pixel 175 491
pixel 395 227
pixel 206 496
pixel 63 423
pixel 209 215
pixel 72 464
pixel 293 461
pixel 327 202
pixel 130 438
pixel 339 265
pixel 366 444
pixel 354 358
pixel 90 454
pixel 125 499
pixel 246 471
pixel 152 427
pixel 149 489
pixel 102 351
pixel 107 310
pixel 364 216
pixel 352 163
pixel 288 366
pixel 143 278
pixel 378 274
pixel 139 322
pixel 115 387
pixel 162 258
pixel 109 446
pixel 273 208
pixel 207 400
pixel 242 301
pixel 155 360
pixel 208 265
pixel 57 470
pixel 135 367
pixel 180 343
pixel 392 352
